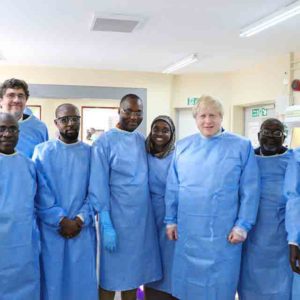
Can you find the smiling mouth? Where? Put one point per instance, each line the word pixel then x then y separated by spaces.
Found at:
pixel 6 143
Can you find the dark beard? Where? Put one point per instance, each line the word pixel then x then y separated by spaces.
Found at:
pixel 70 137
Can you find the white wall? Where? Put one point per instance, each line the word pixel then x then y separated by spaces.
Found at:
pixel 159 86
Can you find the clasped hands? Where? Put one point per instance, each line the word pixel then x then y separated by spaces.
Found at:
pixel 70 228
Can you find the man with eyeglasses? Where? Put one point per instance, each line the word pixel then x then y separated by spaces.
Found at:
pixel 129 255
pixel 265 271
pixel 19 257
pixel 14 94
pixel 66 220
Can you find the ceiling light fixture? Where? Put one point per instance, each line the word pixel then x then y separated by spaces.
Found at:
pixel 181 64
pixel 116 23
pixel 271 20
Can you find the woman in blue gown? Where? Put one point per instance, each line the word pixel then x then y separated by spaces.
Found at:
pixel 160 148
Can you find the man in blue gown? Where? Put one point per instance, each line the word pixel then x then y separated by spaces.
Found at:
pixel 292 221
pixel 66 222
pixel 129 255
pixel 212 197
pixel 19 257
pixel 265 271
pixel 14 94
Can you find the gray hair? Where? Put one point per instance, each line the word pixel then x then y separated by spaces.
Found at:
pixel 205 101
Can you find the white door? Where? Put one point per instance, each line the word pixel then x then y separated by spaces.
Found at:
pixel 185 123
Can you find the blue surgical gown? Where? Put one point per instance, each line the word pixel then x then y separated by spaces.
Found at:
pixel 212 186
pixel 158 172
pixel 68 265
pixel 119 184
pixel 292 222
pixel 32 132
pixel 265 272
pixel 19 257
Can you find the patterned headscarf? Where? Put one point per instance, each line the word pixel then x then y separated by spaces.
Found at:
pixel 169 147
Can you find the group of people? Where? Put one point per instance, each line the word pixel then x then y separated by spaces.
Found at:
pixel 204 219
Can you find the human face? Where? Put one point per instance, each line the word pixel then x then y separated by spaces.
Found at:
pixel 160 134
pixel 130 114
pixel 68 124
pixel 13 102
pixel 208 120
pixel 9 134
pixel 271 138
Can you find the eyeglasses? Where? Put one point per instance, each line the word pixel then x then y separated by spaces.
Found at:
pixel 11 129
pixel 12 96
pixel 65 120
pixel 132 113
pixel 269 133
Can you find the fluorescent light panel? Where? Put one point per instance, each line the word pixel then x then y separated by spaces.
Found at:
pixel 271 20
pixel 182 63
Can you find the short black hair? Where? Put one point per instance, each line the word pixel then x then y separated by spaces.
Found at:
pixel 14 83
pixel 272 121
pixel 130 96
pixel 58 108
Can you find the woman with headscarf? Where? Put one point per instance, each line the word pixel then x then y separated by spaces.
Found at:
pixel 160 146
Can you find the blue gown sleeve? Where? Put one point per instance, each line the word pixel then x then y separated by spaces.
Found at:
pixel 47 209
pixel 249 191
pixel 46 136
pixel 99 188
pixel 292 194
pixel 87 212
pixel 171 194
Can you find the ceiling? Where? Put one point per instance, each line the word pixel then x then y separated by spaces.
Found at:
pixel 57 33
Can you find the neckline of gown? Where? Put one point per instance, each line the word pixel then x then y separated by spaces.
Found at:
pixel 9 155
pixel 123 131
pixel 68 145
pixel 274 156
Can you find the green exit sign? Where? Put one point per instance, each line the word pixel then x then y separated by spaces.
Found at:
pixel 192 100
pixel 259 112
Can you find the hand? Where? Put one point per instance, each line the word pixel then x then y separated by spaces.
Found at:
pixel 109 239
pixel 69 228
pixel 295 258
pixel 172 233
pixel 79 222
pixel 109 236
pixel 235 238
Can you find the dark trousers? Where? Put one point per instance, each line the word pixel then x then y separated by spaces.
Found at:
pixel 151 294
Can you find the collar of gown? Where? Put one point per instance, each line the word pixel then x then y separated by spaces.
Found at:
pixel 8 155
pixel 25 120
pixel 220 132
pixel 68 145
pixel 123 131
